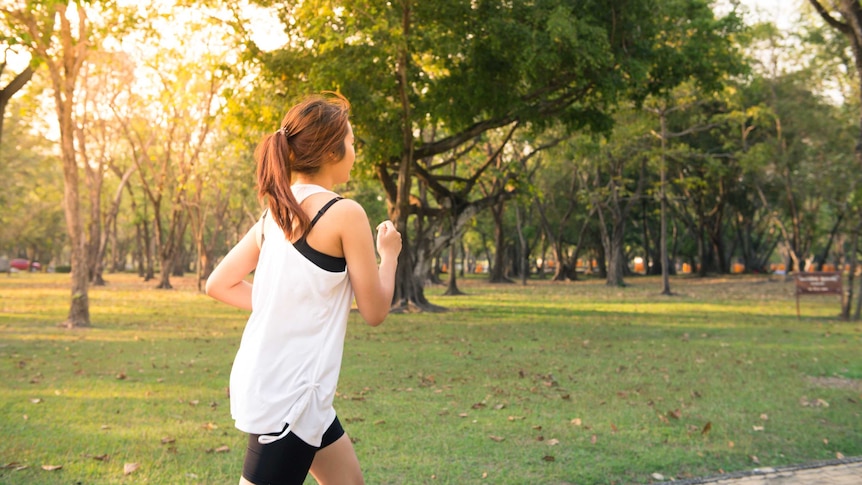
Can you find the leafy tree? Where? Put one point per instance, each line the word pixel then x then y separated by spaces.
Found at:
pixel 845 16
pixel 46 30
pixel 31 222
pixel 461 70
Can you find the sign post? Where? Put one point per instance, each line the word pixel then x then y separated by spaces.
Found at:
pixel 817 283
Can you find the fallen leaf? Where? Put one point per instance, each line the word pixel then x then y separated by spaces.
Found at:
pixel 730 444
pixel 210 426
pixel 839 455
pixel 222 449
pixel 121 376
pixel 496 438
pixel 757 428
pixel 553 441
pixel 478 405
pixel 754 459
pixel 593 439
pixel 764 417
pixel 104 457
pixel 36 400
pixel 515 418
pixel 130 468
pixel 537 427
pixel 675 414
pixel 576 421
pixel 548 458
pixel 484 474
pixel 52 468
pixel 657 476
pixel 706 428
pixel 614 428
pixel 462 415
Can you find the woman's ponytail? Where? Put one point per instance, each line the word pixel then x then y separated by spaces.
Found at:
pixel 273 156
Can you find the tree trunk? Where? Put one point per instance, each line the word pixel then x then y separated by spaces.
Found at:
pixel 665 262
pixel 79 309
pixel 616 255
pixel 452 287
pixel 497 273
pixel 847 299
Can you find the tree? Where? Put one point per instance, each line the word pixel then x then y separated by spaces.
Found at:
pixel 851 27
pixel 31 222
pixel 47 32
pixel 692 48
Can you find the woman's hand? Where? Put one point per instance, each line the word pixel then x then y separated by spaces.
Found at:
pixel 388 240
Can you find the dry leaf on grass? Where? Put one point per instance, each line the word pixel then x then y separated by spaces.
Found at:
pixel 496 438
pixel 130 468
pixel 52 468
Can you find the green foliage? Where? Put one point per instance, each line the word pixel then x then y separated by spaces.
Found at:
pixel 31 221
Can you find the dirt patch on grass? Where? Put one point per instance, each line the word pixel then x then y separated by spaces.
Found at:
pixel 836 383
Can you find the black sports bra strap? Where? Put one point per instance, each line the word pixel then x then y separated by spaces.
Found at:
pixel 322 211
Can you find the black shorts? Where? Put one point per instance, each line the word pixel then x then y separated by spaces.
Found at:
pixel 285 461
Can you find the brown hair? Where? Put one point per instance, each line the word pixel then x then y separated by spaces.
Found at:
pixel 312 134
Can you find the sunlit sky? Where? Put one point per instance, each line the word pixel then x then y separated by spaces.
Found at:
pixel 779 12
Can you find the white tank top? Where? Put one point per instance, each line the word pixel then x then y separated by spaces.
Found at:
pixel 286 369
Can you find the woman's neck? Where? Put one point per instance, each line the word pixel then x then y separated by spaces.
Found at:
pixel 319 181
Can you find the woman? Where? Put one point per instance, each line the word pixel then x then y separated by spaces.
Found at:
pixel 312 253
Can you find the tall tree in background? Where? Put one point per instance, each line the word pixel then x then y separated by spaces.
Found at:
pixel 693 47
pixel 845 16
pixel 49 35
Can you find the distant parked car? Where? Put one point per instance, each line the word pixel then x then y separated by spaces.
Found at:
pixel 22 264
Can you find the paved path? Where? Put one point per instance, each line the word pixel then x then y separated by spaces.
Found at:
pixel 837 472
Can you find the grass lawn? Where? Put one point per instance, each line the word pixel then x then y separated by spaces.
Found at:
pixel 567 383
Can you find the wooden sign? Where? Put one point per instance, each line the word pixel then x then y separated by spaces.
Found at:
pixel 817 283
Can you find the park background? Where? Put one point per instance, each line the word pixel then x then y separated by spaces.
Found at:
pixel 674 163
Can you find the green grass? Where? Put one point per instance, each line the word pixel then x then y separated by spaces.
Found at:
pixel 549 383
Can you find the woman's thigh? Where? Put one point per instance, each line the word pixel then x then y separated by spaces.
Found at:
pixel 337 464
